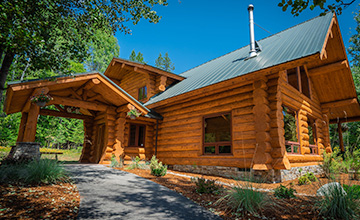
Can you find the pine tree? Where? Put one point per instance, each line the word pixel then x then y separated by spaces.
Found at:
pixel 137 58
pixel 164 63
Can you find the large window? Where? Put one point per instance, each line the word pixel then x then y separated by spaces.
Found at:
pixel 137 135
pixel 142 93
pixel 217 134
pixel 297 77
pixel 291 131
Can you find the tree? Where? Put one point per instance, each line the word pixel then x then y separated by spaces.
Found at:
pixel 298 6
pixel 164 63
pixel 102 49
pixel 354 48
pixel 50 31
pixel 137 58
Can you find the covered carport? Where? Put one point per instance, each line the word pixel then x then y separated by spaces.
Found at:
pixel 91 97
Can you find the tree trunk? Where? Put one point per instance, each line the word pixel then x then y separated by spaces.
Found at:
pixel 4 71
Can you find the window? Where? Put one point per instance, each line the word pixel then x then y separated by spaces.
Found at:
pixel 142 93
pixel 291 130
pixel 137 135
pixel 298 79
pixel 312 135
pixel 217 134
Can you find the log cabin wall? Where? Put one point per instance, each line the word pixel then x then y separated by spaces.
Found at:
pixel 133 81
pixel 305 108
pixel 109 138
pixel 180 134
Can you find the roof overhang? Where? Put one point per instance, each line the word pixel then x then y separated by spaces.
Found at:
pixel 93 91
pixel 117 65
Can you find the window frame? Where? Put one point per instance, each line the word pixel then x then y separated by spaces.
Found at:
pixel 142 93
pixel 293 143
pixel 313 147
pixel 299 80
pixel 217 144
pixel 137 133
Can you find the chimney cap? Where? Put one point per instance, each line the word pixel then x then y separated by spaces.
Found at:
pixel 250 7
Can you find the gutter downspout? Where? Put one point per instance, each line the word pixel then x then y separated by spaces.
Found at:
pixel 156 136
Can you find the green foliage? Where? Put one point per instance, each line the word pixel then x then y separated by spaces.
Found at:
pixel 136 164
pixel 137 58
pixel 164 63
pixel 332 164
pixel 325 5
pixel 354 48
pixel 245 199
pixel 205 185
pixel 284 193
pixel 157 168
pixel 335 204
pixel 9 129
pixel 102 49
pixel 355 189
pixel 35 172
pixel 307 178
pixel 352 162
pixel 115 163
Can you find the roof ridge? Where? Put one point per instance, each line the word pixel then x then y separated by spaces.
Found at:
pixel 273 35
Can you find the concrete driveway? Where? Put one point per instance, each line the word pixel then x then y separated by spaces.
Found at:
pixel 107 193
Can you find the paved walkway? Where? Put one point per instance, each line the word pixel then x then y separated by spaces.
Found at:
pixel 107 193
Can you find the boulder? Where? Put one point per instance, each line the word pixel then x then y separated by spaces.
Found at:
pixel 326 189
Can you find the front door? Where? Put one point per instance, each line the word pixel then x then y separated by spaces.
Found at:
pixel 99 144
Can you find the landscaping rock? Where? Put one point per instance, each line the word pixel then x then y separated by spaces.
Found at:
pixel 327 188
pixel 25 151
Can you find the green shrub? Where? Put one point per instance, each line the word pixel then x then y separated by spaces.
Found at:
pixel 352 163
pixel 332 164
pixel 284 193
pixel 245 199
pixel 205 185
pixel 157 169
pixel 35 172
pixel 135 164
pixel 355 189
pixel 115 163
pixel 307 178
pixel 336 204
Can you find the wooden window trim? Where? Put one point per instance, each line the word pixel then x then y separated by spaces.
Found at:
pixel 298 75
pixel 217 144
pixel 293 143
pixel 137 133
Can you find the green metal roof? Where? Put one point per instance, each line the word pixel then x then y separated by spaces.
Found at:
pixel 296 42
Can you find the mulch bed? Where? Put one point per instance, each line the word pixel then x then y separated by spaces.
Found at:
pixel 59 201
pixel 301 207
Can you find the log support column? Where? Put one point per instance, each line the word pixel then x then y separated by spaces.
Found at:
pixel 262 159
pixel 24 117
pixel 341 140
pixel 119 136
pixel 31 123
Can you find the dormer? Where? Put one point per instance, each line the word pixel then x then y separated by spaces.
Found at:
pixel 141 81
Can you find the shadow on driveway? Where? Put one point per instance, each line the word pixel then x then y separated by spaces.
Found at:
pixel 107 193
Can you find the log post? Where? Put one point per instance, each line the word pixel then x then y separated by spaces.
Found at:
pixel 24 117
pixel 31 123
pixel 262 159
pixel 341 141
pixel 119 136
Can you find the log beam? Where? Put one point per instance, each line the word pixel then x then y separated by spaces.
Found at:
pixel 339 103
pixel 162 85
pixel 78 103
pixel 64 114
pixel 344 120
pixel 343 64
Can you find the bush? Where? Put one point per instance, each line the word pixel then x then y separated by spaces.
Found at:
pixel 243 199
pixel 35 172
pixel 205 186
pixel 157 169
pixel 135 164
pixel 336 204
pixel 115 163
pixel 355 189
pixel 307 178
pixel 352 162
pixel 332 164
pixel 284 193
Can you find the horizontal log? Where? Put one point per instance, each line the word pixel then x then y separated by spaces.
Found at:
pixel 209 161
pixel 339 103
pixel 304 158
pixel 64 114
pixel 343 64
pixel 244 135
pixel 249 126
pixel 180 141
pixel 242 111
pixel 78 103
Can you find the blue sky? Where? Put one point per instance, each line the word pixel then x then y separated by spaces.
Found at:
pixel 196 31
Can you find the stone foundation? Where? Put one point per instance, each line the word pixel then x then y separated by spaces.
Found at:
pixel 272 176
pixel 25 151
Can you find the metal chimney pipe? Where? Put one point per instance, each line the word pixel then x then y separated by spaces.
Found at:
pixel 252 52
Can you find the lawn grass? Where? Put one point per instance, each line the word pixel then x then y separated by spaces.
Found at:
pixel 72 155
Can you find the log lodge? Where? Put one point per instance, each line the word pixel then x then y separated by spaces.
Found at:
pixel 268 112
